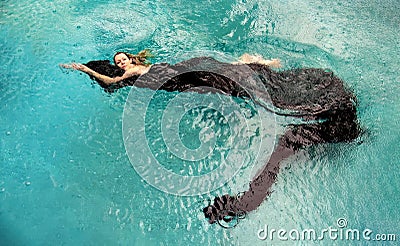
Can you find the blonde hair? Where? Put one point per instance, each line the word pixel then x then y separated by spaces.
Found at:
pixel 140 58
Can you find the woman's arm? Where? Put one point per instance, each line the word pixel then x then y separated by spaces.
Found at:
pixel 91 72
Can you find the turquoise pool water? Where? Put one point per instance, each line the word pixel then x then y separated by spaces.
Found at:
pixel 65 177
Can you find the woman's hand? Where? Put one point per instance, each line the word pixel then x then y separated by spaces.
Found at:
pixel 274 63
pixel 76 66
pixel 80 67
pixel 248 59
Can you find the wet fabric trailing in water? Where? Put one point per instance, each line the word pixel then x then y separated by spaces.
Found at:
pixel 309 93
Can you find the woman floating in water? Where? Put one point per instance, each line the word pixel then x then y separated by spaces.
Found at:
pixel 312 94
pixel 136 65
pixel 133 65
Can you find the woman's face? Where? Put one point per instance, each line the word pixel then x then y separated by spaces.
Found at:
pixel 123 61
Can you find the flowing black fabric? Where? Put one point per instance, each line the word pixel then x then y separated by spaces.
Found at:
pixel 309 93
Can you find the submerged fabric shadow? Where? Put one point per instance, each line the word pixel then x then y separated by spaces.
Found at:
pixel 308 93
